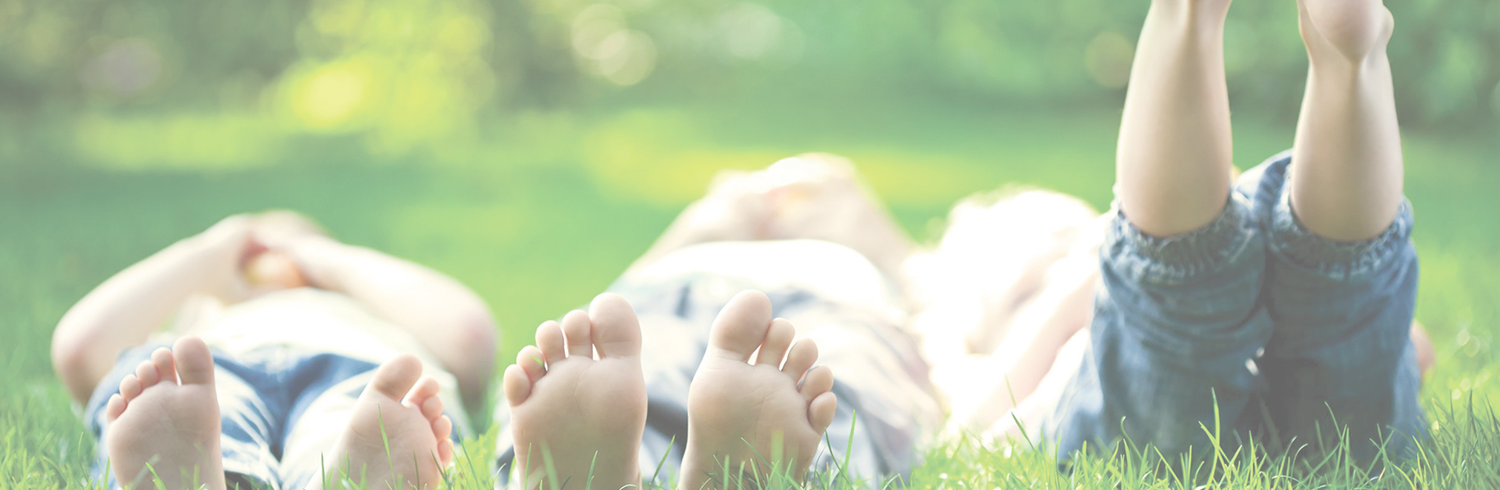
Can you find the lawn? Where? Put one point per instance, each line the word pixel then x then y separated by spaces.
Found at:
pixel 542 211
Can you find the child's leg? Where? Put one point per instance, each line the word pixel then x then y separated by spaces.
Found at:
pixel 1347 183
pixel 1342 352
pixel 1178 320
pixel 1174 155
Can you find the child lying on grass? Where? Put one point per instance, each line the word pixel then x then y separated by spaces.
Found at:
pixel 1218 303
pixel 1218 307
pixel 267 384
pixel 298 362
pixel 1274 306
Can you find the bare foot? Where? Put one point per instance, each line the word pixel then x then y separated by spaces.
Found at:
pixel 744 416
pixel 1349 29
pixel 397 436
pixel 166 416
pixel 585 413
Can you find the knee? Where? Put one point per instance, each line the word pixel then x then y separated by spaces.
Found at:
pixel 71 360
pixel 477 334
pixel 473 350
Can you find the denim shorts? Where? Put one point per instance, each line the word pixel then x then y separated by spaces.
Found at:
pixel 275 404
pixel 1251 327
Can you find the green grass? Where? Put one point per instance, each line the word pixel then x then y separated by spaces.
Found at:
pixel 544 210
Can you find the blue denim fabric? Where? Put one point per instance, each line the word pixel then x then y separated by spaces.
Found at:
pixel 262 394
pixel 1286 331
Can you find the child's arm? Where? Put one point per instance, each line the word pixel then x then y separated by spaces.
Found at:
pixel 452 322
pixel 127 308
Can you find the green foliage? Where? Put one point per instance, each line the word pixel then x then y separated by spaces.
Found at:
pixel 413 73
pixel 532 148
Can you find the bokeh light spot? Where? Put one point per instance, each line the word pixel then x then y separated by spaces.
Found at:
pixel 1108 59
pixel 331 95
pixel 751 31
pixel 628 57
pixel 593 26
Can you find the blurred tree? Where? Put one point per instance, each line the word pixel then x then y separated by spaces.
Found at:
pixel 410 72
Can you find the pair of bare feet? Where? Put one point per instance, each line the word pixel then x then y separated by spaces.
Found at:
pixel 757 406
pixel 164 426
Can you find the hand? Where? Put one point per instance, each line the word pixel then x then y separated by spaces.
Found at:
pixel 221 253
pixel 297 255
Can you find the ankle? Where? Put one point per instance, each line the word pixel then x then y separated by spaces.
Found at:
pixel 1346 33
pixel 1195 14
pixel 1348 72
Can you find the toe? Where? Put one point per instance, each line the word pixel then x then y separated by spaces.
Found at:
pixel 819 380
pixel 741 326
pixel 549 338
pixel 576 327
pixel 396 377
pixel 115 407
pixel 195 365
pixel 801 358
pixel 445 452
pixel 516 384
pixel 166 367
pixel 778 339
pixel 820 412
pixel 425 389
pixel 532 363
pixel 442 427
pixel 146 373
pixel 130 387
pixel 617 331
pixel 432 408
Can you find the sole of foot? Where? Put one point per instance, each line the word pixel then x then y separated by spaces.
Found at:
pixel 164 424
pixel 755 417
pixel 397 435
pixel 1350 29
pixel 578 398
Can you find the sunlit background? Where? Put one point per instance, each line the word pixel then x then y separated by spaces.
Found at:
pixel 178 84
pixel 532 148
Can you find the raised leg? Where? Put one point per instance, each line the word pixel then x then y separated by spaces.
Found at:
pixel 1346 185
pixel 1174 155
pixel 1342 276
pixel 1177 322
